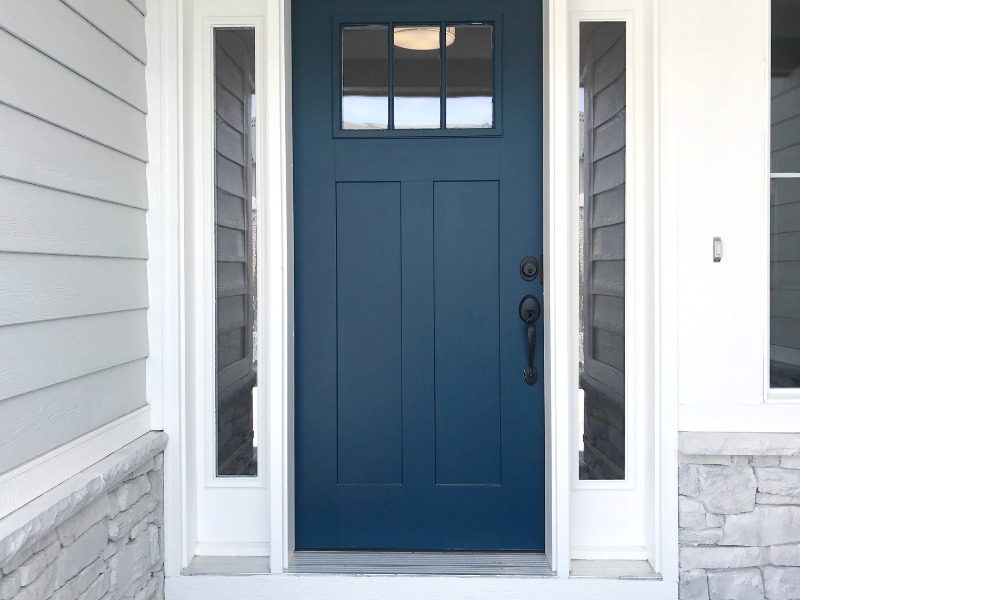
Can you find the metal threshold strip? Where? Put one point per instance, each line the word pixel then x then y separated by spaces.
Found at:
pixel 516 564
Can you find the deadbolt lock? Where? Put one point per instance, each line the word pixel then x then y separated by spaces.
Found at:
pixel 529 268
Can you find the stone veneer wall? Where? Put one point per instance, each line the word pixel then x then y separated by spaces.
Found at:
pixel 739 518
pixel 96 537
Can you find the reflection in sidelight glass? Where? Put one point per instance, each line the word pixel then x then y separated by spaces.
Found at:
pixel 416 81
pixel 602 251
pixel 784 206
pixel 235 254
pixel 365 75
pixel 469 77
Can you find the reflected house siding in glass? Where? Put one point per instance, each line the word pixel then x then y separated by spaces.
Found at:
pixel 416 87
pixel 469 78
pixel 365 76
pixel 602 180
pixel 784 202
pixel 235 236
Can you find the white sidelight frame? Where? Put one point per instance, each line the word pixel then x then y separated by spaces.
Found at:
pixel 179 383
pixel 230 509
pixel 627 536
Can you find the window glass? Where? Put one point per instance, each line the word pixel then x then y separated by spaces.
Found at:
pixel 422 61
pixel 469 77
pixel 365 77
pixel 784 204
pixel 416 77
pixel 235 254
pixel 785 86
pixel 602 251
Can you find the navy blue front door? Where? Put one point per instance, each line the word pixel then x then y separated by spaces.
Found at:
pixel 414 426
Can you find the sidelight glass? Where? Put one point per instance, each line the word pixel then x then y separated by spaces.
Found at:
pixel 469 77
pixel 416 77
pixel 601 202
pixel 365 77
pixel 236 408
pixel 784 349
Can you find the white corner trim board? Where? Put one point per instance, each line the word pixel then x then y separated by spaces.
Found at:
pixel 32 479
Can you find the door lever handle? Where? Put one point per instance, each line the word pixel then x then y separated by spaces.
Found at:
pixel 530 310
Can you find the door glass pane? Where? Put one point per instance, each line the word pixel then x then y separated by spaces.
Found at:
pixel 784 283
pixel 601 201
pixel 365 73
pixel 469 77
pixel 235 254
pixel 785 86
pixel 416 76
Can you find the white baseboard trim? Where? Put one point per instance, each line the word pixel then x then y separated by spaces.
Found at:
pixel 232 549
pixel 32 479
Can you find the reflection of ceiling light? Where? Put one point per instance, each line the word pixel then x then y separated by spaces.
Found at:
pixel 422 38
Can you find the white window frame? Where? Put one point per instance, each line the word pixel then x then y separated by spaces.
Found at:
pixel 772 395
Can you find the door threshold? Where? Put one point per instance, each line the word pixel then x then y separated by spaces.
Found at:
pixel 228 565
pixel 515 564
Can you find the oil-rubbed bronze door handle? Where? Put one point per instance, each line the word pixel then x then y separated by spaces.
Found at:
pixel 530 310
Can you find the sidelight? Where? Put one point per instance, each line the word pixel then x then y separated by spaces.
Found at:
pixel 235 254
pixel 784 363
pixel 602 441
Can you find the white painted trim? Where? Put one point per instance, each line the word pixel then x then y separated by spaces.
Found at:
pixel 557 215
pixel 246 549
pixel 165 365
pixel 380 587
pixel 763 418
pixel 780 396
pixel 664 545
pixel 32 479
pixel 276 277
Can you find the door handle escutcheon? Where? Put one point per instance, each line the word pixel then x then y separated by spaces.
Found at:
pixel 530 310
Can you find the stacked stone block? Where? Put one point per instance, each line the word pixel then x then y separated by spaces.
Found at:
pixel 739 527
pixel 111 549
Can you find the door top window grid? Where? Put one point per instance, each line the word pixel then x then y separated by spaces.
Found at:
pixel 423 80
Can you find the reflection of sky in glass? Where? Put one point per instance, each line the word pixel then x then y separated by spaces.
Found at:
pixel 417 113
pixel 470 113
pixel 365 112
